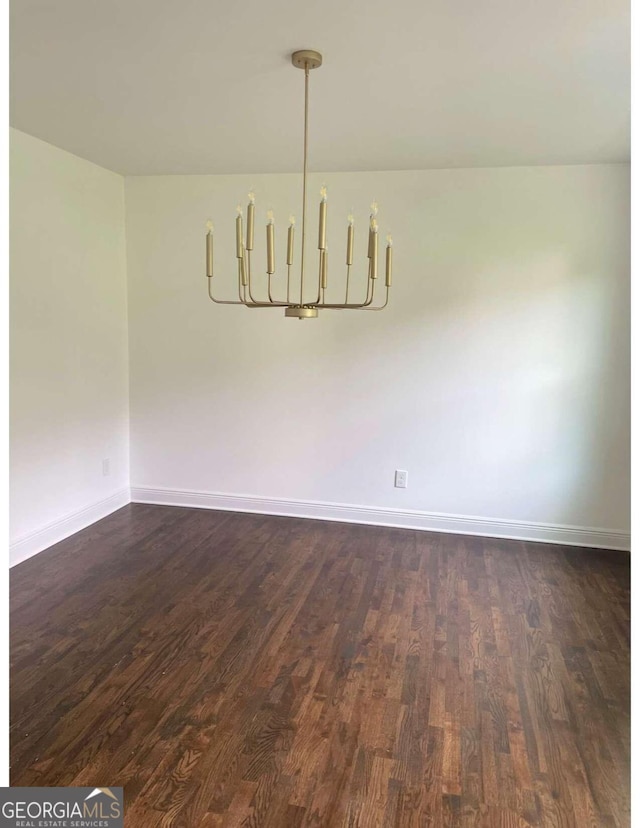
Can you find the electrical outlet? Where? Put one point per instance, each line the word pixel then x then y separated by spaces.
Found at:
pixel 106 470
pixel 402 478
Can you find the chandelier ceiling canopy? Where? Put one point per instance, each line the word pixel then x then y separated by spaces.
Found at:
pixel 301 301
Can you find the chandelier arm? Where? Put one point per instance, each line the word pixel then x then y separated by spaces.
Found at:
pixel 317 300
pixel 355 307
pixel 338 305
pixel 304 175
pixel 277 302
pixel 242 290
pixel 250 302
pixel 320 302
pixel 247 253
pixel 383 306
pixel 249 278
pixel 320 269
pixel 265 305
pixel 271 299
pixel 369 294
pixel 371 288
pixel 222 301
pixel 372 284
pixel 257 303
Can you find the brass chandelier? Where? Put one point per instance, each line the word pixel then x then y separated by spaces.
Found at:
pixel 300 303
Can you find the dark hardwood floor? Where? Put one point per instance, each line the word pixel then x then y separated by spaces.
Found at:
pixel 231 670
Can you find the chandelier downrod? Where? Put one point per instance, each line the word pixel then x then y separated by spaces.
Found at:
pixel 305 59
pixel 304 171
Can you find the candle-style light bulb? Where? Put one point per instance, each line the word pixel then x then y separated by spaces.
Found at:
pixel 350 239
pixel 373 226
pixel 271 256
pixel 322 229
pixel 251 208
pixel 373 230
pixel 389 261
pixel 374 249
pixel 292 224
pixel 239 248
pixel 209 256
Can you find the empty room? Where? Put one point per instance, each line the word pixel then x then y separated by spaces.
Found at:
pixel 368 570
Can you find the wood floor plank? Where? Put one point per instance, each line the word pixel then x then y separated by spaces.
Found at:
pixel 243 670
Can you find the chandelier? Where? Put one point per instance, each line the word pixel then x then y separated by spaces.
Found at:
pixel 301 301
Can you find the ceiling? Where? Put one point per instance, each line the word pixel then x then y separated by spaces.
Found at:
pixel 188 86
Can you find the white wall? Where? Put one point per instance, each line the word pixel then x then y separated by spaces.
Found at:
pixel 69 371
pixel 498 377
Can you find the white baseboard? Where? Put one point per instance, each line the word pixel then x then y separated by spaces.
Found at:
pixel 426 521
pixel 34 542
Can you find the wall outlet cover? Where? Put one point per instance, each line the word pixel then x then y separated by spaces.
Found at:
pixel 402 479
